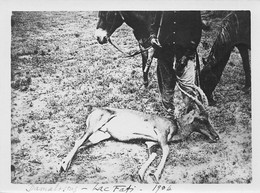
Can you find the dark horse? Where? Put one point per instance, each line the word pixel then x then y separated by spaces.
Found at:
pixel 139 21
pixel 234 32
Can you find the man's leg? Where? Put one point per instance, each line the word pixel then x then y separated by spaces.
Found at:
pixel 166 81
pixel 188 78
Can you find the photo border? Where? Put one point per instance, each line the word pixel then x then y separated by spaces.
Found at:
pixel 95 5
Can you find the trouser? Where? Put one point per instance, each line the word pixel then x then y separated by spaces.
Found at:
pixel 167 80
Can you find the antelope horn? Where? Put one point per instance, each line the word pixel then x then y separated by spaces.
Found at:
pixel 204 98
pixel 199 104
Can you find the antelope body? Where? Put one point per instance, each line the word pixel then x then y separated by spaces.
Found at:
pixel 125 125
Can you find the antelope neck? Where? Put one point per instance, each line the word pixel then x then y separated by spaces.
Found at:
pixel 181 132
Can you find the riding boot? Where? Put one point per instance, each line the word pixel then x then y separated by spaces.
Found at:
pixel 166 81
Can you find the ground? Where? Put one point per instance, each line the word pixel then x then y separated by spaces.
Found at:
pixel 65 69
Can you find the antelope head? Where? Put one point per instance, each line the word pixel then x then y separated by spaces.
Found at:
pixel 198 121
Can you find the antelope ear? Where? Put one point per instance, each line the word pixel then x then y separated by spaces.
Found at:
pixel 188 118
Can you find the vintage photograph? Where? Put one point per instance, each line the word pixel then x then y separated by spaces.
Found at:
pixel 130 97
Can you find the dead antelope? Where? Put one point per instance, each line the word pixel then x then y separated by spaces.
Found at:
pixel 126 125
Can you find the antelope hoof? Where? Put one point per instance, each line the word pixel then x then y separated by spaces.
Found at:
pixel 140 178
pixel 155 177
pixel 63 166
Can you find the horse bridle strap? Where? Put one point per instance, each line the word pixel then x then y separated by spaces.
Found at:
pixel 120 50
pixel 113 24
pixel 129 54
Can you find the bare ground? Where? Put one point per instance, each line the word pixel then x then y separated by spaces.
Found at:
pixel 69 69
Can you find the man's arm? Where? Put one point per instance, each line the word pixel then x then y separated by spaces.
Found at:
pixel 153 29
pixel 155 23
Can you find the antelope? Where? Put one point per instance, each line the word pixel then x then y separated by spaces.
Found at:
pixel 125 125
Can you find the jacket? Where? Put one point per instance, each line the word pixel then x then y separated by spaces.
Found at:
pixel 179 29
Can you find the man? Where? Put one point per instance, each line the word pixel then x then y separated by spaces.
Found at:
pixel 175 35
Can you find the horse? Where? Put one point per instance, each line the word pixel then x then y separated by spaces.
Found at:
pixel 234 32
pixel 139 21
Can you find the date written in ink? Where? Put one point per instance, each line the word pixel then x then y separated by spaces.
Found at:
pixel 161 188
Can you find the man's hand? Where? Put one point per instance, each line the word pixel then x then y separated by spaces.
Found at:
pixel 155 43
pixel 180 65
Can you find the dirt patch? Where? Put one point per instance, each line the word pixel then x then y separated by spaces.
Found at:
pixel 69 69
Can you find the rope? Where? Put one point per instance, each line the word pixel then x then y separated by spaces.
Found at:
pixel 128 55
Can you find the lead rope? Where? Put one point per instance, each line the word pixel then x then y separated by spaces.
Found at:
pixel 127 55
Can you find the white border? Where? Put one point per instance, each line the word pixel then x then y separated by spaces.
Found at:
pixel 7 6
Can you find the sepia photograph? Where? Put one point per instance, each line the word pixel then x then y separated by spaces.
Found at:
pixel 130 97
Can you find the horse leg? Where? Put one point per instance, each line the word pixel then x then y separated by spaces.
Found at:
pixel 152 155
pixel 243 49
pixel 221 66
pixel 150 54
pixel 217 71
pixel 144 62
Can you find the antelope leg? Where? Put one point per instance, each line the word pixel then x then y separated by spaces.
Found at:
pixel 152 156
pixel 165 151
pixel 65 163
pixel 92 139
